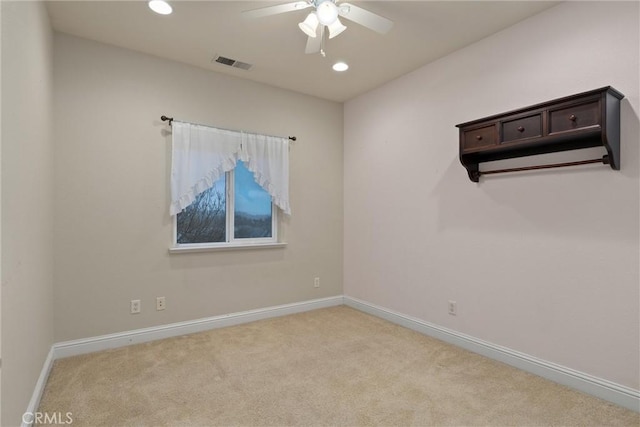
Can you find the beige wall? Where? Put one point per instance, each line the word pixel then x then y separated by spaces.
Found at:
pixel 545 263
pixel 112 228
pixel 27 202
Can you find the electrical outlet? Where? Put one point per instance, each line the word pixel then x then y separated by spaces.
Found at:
pixel 316 282
pixel 136 306
pixel 160 303
pixel 453 308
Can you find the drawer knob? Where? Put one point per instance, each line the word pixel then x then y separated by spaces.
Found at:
pixel 479 137
pixel 520 129
pixel 573 117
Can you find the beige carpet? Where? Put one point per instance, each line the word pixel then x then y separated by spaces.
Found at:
pixel 328 367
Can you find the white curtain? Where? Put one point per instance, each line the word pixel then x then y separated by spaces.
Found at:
pixel 202 154
pixel 268 158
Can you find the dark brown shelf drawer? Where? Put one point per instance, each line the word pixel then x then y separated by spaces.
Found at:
pixel 480 137
pixel 526 127
pixel 574 117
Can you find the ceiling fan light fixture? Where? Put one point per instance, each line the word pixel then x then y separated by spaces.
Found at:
pixel 160 7
pixel 327 12
pixel 336 28
pixel 310 25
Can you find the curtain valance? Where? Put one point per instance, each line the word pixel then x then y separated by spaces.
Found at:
pixel 202 154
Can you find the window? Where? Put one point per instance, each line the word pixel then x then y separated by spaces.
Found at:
pixel 235 212
pixel 227 188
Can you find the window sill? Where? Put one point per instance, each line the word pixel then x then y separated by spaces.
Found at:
pixel 231 247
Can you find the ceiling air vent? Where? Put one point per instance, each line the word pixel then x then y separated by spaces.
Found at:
pixel 232 62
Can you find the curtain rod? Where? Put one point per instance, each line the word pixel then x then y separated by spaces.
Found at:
pixel 170 119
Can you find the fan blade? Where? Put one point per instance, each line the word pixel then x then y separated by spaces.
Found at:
pixel 314 44
pixel 274 10
pixel 365 18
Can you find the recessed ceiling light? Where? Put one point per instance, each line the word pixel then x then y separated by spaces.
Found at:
pixel 160 6
pixel 340 66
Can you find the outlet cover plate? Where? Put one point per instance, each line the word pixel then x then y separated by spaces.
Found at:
pixel 136 306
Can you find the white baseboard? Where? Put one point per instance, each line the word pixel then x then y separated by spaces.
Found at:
pixel 137 336
pixel 607 390
pixel 27 418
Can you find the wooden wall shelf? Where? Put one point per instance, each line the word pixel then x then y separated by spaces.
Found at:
pixel 588 119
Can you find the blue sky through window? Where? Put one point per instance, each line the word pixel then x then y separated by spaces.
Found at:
pixel 250 198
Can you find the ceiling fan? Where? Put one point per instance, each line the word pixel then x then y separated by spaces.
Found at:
pixel 326 13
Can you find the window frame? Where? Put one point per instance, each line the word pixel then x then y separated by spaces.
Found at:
pixel 231 241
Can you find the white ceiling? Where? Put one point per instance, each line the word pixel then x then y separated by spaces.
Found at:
pixel 197 30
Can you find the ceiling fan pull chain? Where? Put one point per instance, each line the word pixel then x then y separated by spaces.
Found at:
pixel 322 52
